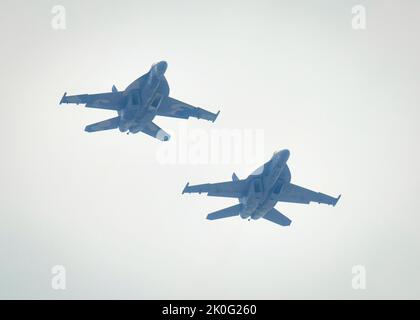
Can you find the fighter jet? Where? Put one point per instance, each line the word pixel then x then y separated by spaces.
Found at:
pixel 137 106
pixel 259 193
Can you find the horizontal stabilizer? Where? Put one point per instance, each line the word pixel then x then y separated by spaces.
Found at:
pixel 114 89
pixel 275 216
pixel 225 213
pixel 103 125
pixel 336 200
pixel 234 177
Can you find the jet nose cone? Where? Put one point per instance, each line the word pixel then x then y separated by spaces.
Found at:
pixel 162 66
pixel 283 154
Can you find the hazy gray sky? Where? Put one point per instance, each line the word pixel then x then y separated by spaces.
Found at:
pixel 345 102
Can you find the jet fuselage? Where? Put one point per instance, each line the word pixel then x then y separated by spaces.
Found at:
pixel 142 99
pixel 265 184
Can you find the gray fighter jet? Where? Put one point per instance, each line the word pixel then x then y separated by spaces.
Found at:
pixel 259 193
pixel 138 105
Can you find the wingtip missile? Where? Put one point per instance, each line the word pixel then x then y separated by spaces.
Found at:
pixel 185 188
pixel 217 114
pixel 64 96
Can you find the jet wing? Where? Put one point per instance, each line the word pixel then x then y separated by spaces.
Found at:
pixel 225 213
pixel 109 100
pixel 296 194
pixel 171 107
pixel 230 189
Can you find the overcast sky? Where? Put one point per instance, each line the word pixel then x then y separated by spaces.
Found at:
pixel 285 74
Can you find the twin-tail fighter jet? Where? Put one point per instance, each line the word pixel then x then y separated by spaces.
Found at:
pixel 259 193
pixel 137 106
